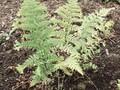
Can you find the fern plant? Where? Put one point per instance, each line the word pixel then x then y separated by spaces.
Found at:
pixel 78 35
pixel 32 18
pixel 70 46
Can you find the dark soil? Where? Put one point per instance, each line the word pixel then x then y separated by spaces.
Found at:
pixel 109 64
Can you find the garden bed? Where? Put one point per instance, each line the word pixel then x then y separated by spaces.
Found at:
pixel 109 64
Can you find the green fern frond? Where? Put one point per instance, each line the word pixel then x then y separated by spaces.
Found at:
pixel 33 19
pixel 81 38
pixel 70 65
pixel 90 28
pixel 70 13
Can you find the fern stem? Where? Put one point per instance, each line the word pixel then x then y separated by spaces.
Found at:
pixel 91 82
